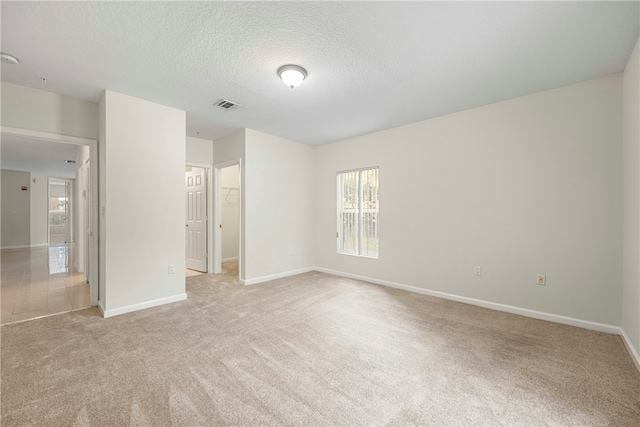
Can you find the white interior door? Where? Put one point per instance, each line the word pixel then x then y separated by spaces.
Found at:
pixel 196 214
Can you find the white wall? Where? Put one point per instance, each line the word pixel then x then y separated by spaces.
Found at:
pixel 230 198
pixel 279 215
pixel 102 201
pixel 34 109
pixel 16 206
pixel 36 217
pixel 230 147
pixel 631 230
pixel 199 151
pixel 526 186
pixel 142 195
pixel 39 210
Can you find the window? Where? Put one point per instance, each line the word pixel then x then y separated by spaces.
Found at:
pixel 57 211
pixel 358 210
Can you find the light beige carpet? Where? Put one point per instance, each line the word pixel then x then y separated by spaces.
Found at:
pixel 312 350
pixel 191 273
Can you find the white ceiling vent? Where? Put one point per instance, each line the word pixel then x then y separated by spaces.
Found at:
pixel 226 104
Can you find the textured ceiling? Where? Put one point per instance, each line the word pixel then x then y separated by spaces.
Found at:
pixel 32 155
pixel 371 65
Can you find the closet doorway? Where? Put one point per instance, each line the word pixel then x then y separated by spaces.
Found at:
pixel 230 218
pixel 228 214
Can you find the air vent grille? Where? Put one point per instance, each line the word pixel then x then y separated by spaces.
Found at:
pixel 226 104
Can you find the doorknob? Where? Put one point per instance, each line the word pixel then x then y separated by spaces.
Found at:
pixel 186 225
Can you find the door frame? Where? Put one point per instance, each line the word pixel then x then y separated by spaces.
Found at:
pixel 94 297
pixel 217 234
pixel 210 217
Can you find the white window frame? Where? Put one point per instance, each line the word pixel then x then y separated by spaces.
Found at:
pixel 360 212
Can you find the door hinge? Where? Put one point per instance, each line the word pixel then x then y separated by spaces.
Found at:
pixel 337 235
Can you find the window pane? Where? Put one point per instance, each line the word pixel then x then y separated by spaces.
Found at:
pixel 370 189
pixel 358 208
pixel 369 234
pixel 350 192
pixel 56 218
pixel 350 233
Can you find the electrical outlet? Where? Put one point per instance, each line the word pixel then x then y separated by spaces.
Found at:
pixel 477 270
pixel 542 280
pixel 172 269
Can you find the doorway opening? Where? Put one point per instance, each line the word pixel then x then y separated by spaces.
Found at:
pixel 230 218
pixel 228 251
pixel 63 216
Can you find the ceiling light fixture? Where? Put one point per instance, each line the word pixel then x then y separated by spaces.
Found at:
pixel 8 59
pixel 292 75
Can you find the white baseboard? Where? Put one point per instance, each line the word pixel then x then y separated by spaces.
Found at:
pixel 141 306
pixel 586 324
pixel 101 307
pixel 229 259
pixel 16 247
pixel 37 245
pixel 76 267
pixel 630 348
pixel 276 276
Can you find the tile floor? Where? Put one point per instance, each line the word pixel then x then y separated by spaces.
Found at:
pixel 39 282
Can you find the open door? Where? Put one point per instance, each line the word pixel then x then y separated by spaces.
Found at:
pixel 196 216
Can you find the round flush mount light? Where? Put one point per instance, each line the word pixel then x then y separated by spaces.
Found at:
pixel 8 59
pixel 292 75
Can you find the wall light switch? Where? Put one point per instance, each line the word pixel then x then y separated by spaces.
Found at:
pixel 542 280
pixel 477 270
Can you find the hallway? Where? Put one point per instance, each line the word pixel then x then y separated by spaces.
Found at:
pixel 39 282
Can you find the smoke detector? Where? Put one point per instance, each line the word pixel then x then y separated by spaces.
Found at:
pixel 226 104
